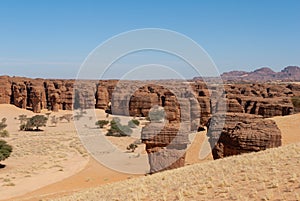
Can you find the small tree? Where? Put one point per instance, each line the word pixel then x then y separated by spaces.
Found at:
pixel 101 123
pixel 36 122
pixel 5 150
pixel 132 147
pixel 118 130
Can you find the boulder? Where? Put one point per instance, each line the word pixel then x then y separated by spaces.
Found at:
pixel 237 133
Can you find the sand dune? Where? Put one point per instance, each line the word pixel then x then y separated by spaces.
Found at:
pixel 268 175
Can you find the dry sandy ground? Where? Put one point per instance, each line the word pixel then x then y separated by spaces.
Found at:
pixel 53 163
pixel 268 175
pixel 38 158
pixel 290 128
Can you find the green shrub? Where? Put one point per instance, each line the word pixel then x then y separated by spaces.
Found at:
pixel 101 123
pixel 118 130
pixel 136 122
pixel 22 127
pixel 34 123
pixel 5 150
pixel 131 124
pixel 132 147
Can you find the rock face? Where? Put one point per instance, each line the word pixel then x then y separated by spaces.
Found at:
pixel 5 90
pixel 267 100
pixel 241 133
pixel 165 145
pixel 137 98
pixel 19 94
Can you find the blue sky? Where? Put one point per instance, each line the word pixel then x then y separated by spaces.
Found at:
pixel 43 38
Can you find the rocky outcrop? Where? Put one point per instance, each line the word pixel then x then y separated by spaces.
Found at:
pixel 236 133
pixel 267 100
pixel 19 94
pixel 194 101
pixel 165 145
pixel 59 94
pixel 5 90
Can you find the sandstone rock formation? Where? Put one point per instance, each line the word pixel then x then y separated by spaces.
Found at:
pixel 5 90
pixel 237 133
pixel 165 145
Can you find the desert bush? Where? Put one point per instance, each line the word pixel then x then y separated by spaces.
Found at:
pixel 296 102
pixel 136 122
pixel 118 130
pixel 132 147
pixel 101 123
pixel 5 150
pixel 131 124
pixel 4 133
pixel 3 125
pixel 34 123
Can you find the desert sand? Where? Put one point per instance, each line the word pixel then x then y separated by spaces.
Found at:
pixel 53 163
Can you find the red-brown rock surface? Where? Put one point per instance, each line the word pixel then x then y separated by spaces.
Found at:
pixel 165 145
pixel 5 90
pixel 237 133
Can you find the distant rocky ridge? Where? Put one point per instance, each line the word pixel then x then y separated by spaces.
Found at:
pixel 290 73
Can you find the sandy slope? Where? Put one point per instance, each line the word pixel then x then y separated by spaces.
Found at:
pixel 268 175
pixel 290 128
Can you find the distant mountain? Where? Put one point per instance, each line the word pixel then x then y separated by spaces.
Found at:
pixel 290 73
